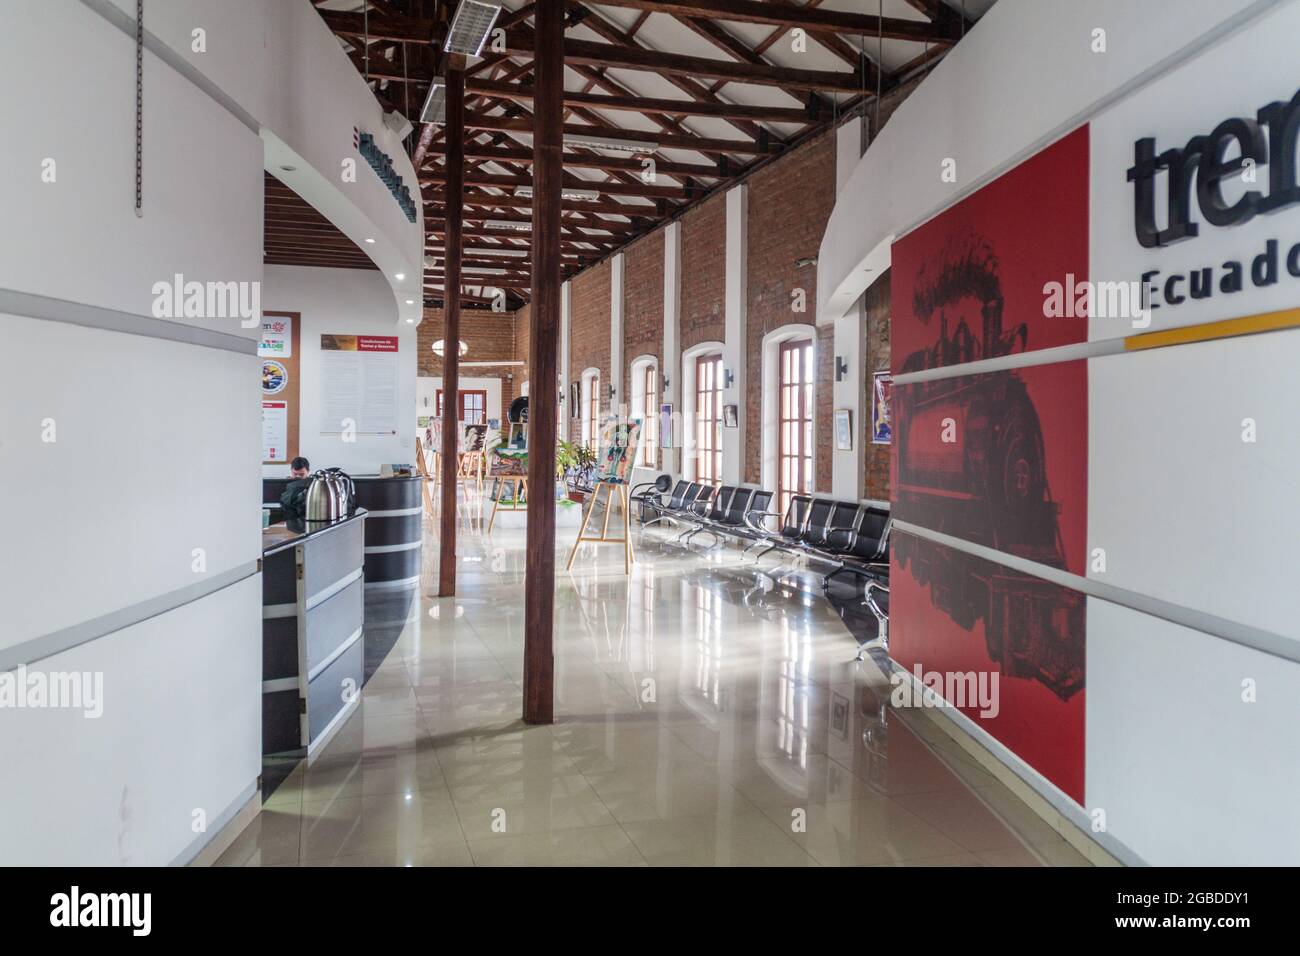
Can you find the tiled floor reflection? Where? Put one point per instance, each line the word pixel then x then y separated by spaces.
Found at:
pixel 706 715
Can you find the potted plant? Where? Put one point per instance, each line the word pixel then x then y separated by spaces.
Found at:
pixel 572 462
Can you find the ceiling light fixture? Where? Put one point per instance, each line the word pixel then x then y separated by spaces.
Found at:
pixel 526 192
pixel 504 225
pixel 484 270
pixel 470 27
pixel 399 276
pixel 435 103
pixel 606 142
pixel 438 348
pixel 369 240
pixel 497 251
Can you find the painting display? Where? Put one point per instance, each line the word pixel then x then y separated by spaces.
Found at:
pixel 508 462
pixel 618 445
pixel 473 438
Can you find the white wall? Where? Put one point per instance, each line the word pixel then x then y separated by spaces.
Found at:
pixel 155 456
pixel 343 301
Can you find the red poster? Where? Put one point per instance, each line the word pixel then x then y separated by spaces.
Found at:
pixel 997 458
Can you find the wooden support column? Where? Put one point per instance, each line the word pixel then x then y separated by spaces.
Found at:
pixel 544 338
pixel 455 131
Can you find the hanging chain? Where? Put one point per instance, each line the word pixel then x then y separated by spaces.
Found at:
pixel 880 59
pixel 139 108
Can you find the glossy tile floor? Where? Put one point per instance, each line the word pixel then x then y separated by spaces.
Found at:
pixel 705 715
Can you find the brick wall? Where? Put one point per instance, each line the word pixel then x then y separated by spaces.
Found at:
pixel 589 315
pixel 790 202
pixel 877 317
pixel 704 272
pixel 643 303
pixel 490 336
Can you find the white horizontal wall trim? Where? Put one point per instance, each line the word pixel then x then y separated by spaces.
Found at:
pixel 47 645
pixel 1255 638
pixel 126 23
pixel 50 309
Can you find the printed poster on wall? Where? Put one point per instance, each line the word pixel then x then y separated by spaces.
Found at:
pixel 359 375
pixel 882 421
pixel 996 458
pixel 277 337
pixel 275 431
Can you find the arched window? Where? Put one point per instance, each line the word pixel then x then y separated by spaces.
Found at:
pixel 789 411
pixel 645 406
pixel 591 408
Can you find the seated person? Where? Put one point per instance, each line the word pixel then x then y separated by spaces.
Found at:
pixel 294 499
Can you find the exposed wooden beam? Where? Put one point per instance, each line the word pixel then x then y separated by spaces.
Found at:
pixel 645 104
pixel 605 186
pixel 754 11
pixel 583 160
pixel 700 144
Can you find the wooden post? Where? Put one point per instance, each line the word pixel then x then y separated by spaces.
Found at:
pixel 455 131
pixel 544 336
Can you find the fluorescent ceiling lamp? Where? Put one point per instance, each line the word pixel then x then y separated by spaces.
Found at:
pixel 435 104
pixel 526 192
pixel 497 251
pixel 483 270
pixel 470 27
pixel 605 142
pixel 504 225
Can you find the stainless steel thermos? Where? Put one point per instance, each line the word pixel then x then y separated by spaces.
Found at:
pixel 330 495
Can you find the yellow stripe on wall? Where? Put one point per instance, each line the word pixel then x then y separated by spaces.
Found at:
pixel 1223 329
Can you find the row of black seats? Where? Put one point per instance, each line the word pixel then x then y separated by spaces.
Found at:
pixel 852 537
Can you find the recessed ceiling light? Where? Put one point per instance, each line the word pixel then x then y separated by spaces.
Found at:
pixel 399 276
pixel 290 169
pixel 410 321
pixel 369 240
pixel 410 302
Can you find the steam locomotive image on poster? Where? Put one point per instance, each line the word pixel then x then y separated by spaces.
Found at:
pixel 971 464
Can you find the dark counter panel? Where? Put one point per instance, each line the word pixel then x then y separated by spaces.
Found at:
pixel 393 568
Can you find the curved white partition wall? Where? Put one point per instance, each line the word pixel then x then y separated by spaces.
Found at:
pixel 1147 641
pixel 111 567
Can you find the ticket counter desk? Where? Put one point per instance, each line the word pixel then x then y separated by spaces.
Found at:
pixel 313 608
pixel 394 526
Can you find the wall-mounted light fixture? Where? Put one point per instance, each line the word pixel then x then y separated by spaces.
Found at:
pixel 805 261
pixel 841 369
pixel 728 378
pixel 666 382
pixel 612 392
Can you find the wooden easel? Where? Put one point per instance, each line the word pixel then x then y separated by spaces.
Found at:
pixel 471 468
pixel 422 469
pixel 519 491
pixel 613 489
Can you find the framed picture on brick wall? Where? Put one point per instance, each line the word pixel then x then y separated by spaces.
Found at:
pixel 843 429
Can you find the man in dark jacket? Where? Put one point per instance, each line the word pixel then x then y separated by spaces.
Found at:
pixel 294 499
